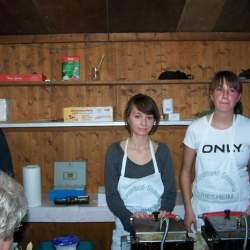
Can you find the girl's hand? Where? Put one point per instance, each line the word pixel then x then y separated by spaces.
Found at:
pixel 248 210
pixel 189 219
pixel 140 215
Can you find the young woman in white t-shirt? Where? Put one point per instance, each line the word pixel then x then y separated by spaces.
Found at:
pixel 220 145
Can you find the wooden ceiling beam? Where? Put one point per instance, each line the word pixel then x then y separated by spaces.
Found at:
pixel 46 26
pixel 200 15
pixel 125 37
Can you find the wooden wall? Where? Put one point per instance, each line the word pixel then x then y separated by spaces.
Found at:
pixel 44 146
pixel 126 58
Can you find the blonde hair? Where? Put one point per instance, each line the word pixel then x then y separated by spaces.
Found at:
pixel 13 205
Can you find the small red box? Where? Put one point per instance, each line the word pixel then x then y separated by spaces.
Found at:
pixel 21 77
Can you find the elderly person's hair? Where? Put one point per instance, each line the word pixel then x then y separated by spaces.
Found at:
pixel 13 205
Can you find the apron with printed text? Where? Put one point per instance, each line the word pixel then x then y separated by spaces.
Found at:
pixel 138 194
pixel 218 186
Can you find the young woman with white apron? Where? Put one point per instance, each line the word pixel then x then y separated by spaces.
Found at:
pixel 218 187
pixel 221 176
pixel 138 194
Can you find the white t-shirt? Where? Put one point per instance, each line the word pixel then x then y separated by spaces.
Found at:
pixel 218 142
pixel 221 177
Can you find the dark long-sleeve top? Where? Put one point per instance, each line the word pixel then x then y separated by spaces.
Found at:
pixel 5 157
pixel 113 164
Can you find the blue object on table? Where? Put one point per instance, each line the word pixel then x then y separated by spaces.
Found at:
pixel 63 193
pixel 83 245
pixel 69 180
pixel 65 240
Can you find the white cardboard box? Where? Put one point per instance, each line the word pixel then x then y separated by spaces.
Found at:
pixel 101 197
pixel 4 109
pixel 167 106
pixel 174 116
pixel 81 114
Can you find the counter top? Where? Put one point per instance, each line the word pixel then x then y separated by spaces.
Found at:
pixel 48 212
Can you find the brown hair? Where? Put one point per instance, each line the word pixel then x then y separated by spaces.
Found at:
pixel 146 105
pixel 232 80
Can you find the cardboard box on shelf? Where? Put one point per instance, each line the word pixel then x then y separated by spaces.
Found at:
pixel 174 116
pixel 71 68
pixel 101 197
pixel 83 114
pixel 4 109
pixel 21 77
pixel 69 179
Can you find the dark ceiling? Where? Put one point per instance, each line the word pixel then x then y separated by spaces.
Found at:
pixel 26 17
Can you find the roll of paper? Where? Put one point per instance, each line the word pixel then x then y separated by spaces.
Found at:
pixel 32 185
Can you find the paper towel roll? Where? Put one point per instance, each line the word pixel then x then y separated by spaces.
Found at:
pixel 32 185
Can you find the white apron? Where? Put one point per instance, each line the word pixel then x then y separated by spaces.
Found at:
pixel 138 194
pixel 218 186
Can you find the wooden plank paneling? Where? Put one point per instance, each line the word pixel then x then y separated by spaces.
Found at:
pixel 125 37
pixel 129 61
pixel 126 61
pixel 126 58
pixel 189 99
pixel 44 146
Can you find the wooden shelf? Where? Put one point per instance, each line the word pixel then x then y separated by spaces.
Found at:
pixel 55 124
pixel 105 82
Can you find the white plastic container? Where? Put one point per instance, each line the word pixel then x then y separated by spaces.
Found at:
pixel 4 110
pixel 167 106
pixel 67 242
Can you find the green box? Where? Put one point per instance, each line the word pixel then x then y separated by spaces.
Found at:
pixel 71 68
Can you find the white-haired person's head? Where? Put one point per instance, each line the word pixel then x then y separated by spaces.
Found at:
pixel 13 207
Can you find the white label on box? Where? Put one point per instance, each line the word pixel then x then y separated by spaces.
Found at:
pixel 101 200
pixel 167 106
pixel 101 197
pixel 71 174
pixel 81 114
pixel 4 109
pixel 173 116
